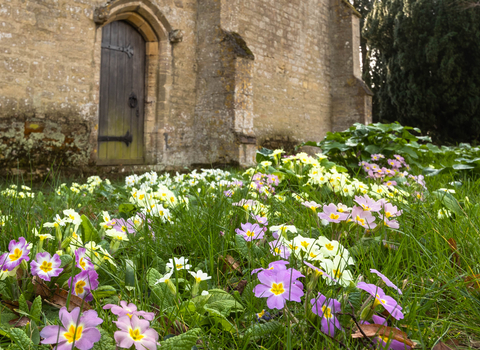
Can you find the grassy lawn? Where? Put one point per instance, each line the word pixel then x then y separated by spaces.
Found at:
pixel 299 252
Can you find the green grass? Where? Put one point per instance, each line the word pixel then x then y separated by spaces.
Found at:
pixel 439 301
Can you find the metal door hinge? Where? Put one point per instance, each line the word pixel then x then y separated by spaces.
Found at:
pixel 128 50
pixel 127 138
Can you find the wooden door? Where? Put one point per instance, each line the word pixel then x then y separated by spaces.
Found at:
pixel 122 91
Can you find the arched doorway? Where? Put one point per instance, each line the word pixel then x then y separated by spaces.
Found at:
pixel 122 95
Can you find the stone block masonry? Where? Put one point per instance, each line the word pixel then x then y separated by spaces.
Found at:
pixel 222 78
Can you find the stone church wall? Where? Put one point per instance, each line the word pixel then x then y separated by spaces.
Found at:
pixel 240 74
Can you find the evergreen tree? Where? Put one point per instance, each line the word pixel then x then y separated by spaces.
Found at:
pixel 426 66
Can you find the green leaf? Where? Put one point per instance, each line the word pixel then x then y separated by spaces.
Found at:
pixel 184 341
pixel 218 319
pixel 127 208
pixel 129 273
pixel 241 245
pixel 22 341
pixel 409 151
pixel 106 342
pixel 65 259
pixel 462 167
pixel 160 293
pixel 355 298
pixel 32 332
pixel 22 304
pixel 373 149
pixel 104 292
pixel 90 233
pixel 449 201
pixel 263 154
pixel 36 309
pixel 226 307
pixel 261 330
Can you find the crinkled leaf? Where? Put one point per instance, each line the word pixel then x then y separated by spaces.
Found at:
pixel 22 304
pixel 106 342
pixel 65 260
pixel 261 330
pixel 36 309
pixel 21 340
pixel 184 341
pixel 218 318
pixel 161 294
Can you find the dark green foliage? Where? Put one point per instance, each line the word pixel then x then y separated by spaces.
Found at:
pixel 426 71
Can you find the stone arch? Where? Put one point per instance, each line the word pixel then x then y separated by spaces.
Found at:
pixel 149 21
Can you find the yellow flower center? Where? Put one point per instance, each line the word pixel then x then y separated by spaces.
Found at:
pixel 55 224
pixel 312 255
pixel 71 217
pixel 327 313
pixel 82 263
pixel 250 233
pixel 384 339
pixel 378 301
pixel 73 334
pixel 124 229
pixel 388 214
pixel 198 279
pixel 79 287
pixel 305 244
pixel 333 216
pixel 293 247
pixel 17 254
pixel 135 334
pixel 260 314
pixel 329 246
pixel 365 207
pixel 277 250
pixel 277 289
pixel 337 273
pixel 360 220
pixel 141 196
pixel 46 266
pixel 179 266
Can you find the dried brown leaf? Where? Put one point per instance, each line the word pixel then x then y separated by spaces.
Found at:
pixel 453 246
pixel 19 322
pixel 473 282
pixel 372 330
pixel 59 299
pixel 41 288
pixel 441 346
pixel 14 306
pixel 232 263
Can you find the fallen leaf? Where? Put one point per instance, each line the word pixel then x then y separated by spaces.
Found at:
pixel 373 330
pixel 230 261
pixel 13 305
pixel 441 346
pixel 19 322
pixel 59 299
pixel 473 282
pixel 41 288
pixel 240 286
pixel 453 246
